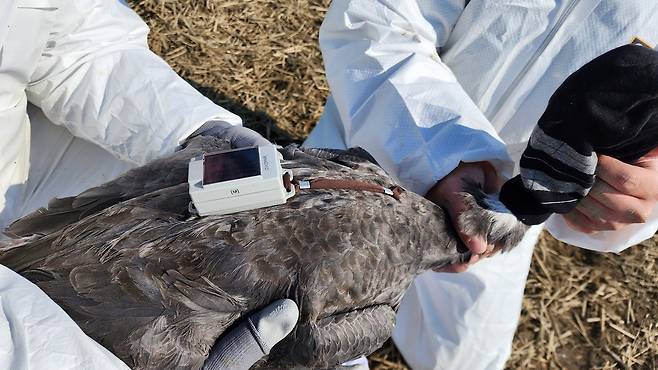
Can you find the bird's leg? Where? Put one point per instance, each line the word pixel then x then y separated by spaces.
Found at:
pixel 338 338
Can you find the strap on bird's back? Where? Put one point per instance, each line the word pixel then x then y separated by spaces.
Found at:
pixel 345 184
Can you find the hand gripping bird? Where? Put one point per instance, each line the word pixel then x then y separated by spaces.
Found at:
pixel 157 285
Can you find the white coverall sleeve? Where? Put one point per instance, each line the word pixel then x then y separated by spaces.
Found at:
pixel 36 334
pixel 395 96
pixel 98 78
pixel 604 241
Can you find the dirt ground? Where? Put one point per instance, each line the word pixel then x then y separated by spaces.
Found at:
pixel 260 59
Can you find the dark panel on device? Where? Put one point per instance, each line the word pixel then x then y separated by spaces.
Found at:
pixel 236 164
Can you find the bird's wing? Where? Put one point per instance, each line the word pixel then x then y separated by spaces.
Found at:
pixel 159 174
pixel 131 279
pixel 354 163
pixel 356 154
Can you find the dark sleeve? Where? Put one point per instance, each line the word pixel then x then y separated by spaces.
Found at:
pixel 610 107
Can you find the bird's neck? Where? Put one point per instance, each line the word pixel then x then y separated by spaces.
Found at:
pixel 437 243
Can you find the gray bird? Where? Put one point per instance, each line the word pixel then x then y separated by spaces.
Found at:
pixel 157 286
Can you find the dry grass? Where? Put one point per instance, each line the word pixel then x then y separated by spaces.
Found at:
pixel 582 310
pixel 260 59
pixel 589 310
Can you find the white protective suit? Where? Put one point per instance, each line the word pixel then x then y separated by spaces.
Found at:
pixel 425 84
pixel 82 99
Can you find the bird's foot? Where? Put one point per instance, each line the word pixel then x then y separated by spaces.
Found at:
pixel 487 217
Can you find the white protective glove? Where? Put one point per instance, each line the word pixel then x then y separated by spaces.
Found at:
pixel 254 337
pixel 239 136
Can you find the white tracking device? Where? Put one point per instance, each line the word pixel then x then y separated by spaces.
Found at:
pixel 238 180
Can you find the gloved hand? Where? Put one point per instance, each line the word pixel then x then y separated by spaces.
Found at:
pixel 238 136
pixel 254 337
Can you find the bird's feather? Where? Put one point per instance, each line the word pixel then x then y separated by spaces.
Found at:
pixel 158 286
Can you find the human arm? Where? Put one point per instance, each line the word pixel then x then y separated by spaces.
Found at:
pixel 98 79
pixel 397 99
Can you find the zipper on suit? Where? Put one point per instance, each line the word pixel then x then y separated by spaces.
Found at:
pixel 535 56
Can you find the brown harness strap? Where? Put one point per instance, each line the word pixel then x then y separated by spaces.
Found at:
pixel 324 183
